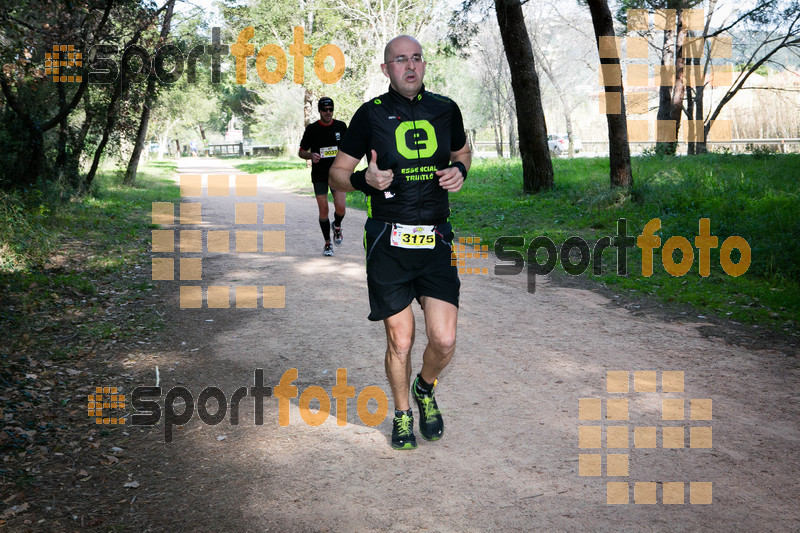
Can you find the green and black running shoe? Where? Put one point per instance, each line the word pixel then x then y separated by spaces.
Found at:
pixel 431 424
pixel 403 431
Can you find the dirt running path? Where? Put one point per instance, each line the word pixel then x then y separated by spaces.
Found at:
pixel 509 458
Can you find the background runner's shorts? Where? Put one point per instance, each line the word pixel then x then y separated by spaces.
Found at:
pixel 321 187
pixel 395 276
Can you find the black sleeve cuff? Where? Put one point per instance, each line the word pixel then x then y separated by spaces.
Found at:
pixel 359 182
pixel 460 166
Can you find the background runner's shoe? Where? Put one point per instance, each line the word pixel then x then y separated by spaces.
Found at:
pixel 403 432
pixel 328 250
pixel 337 235
pixel 431 424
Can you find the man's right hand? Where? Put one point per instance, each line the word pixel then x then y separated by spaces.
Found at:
pixel 380 179
pixel 315 157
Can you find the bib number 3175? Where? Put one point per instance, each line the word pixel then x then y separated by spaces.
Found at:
pixel 414 237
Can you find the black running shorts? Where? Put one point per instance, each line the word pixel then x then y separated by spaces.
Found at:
pixel 321 188
pixel 395 276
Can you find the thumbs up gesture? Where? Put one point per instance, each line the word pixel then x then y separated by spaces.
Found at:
pixel 380 179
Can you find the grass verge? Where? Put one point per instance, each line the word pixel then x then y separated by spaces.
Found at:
pixel 750 196
pixel 75 293
pixel 65 262
pixel 753 196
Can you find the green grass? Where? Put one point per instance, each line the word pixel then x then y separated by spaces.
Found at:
pixel 292 174
pixel 34 225
pixel 754 196
pixel 56 251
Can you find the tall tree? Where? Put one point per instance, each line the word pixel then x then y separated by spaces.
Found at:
pixel 619 153
pixel 537 168
pixel 149 100
pixel 495 87
pixel 548 28
pixel 120 87
pixel 763 29
pixel 26 89
pixel 776 27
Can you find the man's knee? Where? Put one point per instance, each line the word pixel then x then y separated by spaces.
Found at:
pixel 443 340
pixel 401 346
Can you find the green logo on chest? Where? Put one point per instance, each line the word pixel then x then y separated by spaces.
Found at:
pixel 416 139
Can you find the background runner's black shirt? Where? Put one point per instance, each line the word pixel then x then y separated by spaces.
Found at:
pixel 414 138
pixel 318 136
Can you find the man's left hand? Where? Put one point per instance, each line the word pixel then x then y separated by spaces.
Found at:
pixel 450 179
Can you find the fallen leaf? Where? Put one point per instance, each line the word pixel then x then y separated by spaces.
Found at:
pixel 14 510
pixel 131 485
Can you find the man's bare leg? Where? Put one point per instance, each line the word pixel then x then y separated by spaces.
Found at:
pixel 339 202
pixel 322 205
pixel 441 319
pixel 399 341
pixel 440 326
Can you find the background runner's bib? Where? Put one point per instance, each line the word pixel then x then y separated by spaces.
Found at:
pixel 414 237
pixel 328 151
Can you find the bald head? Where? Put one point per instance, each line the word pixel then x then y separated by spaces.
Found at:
pixel 388 51
pixel 406 75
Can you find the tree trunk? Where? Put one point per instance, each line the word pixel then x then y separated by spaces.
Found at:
pixel 665 93
pixel 512 138
pixel 308 102
pixel 499 140
pixel 149 99
pixel 87 123
pixel 679 89
pixel 691 144
pixel 36 126
pixel 544 64
pixel 498 136
pixel 570 135
pixel 619 154
pixel 63 128
pixel 537 169
pixel 700 146
pixel 109 127
pixel 112 110
pixel 141 137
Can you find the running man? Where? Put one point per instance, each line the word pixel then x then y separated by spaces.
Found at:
pixel 417 154
pixel 320 143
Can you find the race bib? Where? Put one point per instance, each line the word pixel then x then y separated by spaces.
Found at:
pixel 414 237
pixel 328 151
